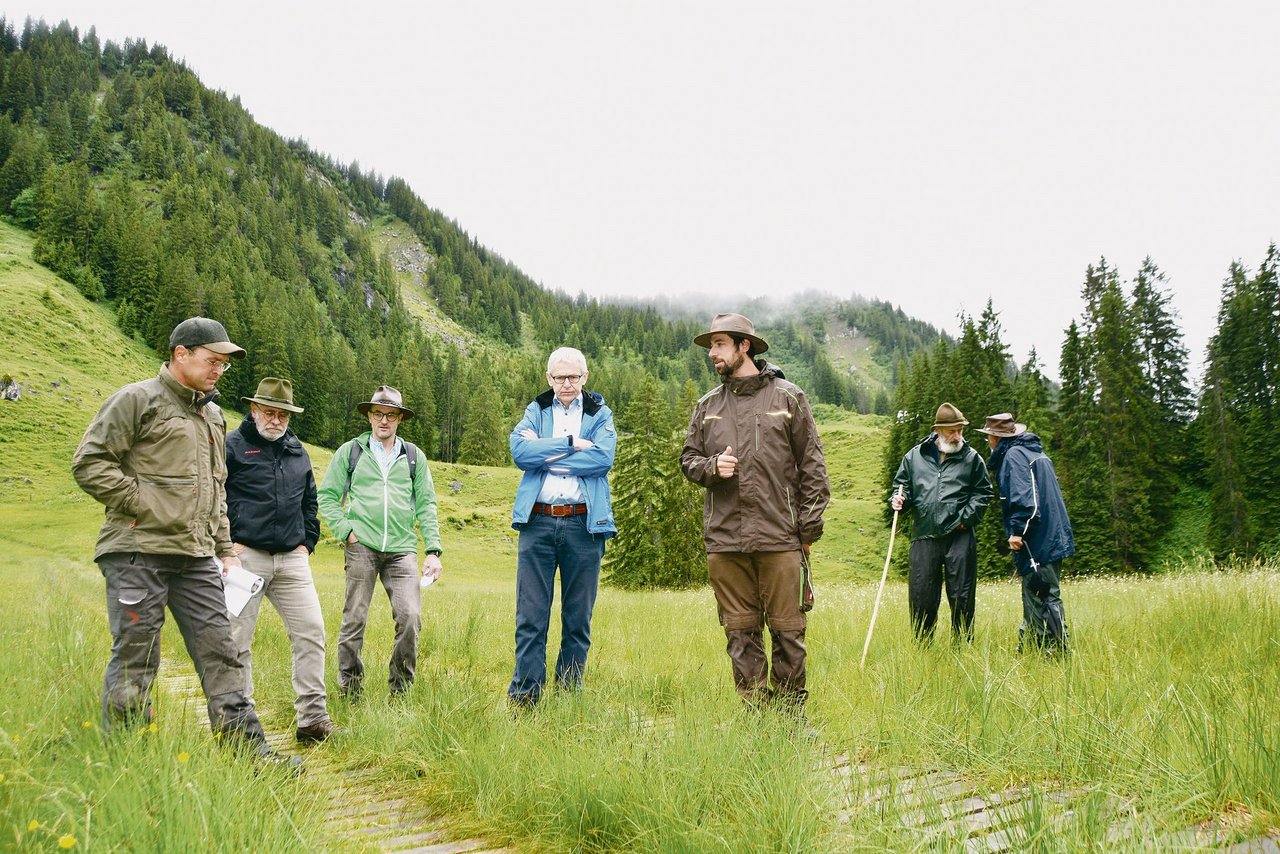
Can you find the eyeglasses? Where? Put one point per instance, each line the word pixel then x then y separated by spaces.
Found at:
pixel 219 365
pixel 572 379
pixel 384 416
pixel 275 415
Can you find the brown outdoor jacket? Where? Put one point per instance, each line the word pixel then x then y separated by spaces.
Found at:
pixel 775 500
pixel 159 465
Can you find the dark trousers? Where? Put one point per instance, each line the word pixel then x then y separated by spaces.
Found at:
pixel 752 590
pixel 139 587
pixel 953 557
pixel 1044 620
pixel 548 542
pixel 398 572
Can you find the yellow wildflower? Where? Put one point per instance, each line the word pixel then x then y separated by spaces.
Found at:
pixel 87 725
pixel 32 825
pixel 67 841
pixel 183 757
pixel 153 727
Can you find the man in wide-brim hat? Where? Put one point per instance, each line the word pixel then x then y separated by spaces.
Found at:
pixel 945 483
pixel 377 489
pixel 763 509
pixel 1036 523
pixel 271 504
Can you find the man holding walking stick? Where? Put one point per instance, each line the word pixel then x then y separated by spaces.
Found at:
pixel 1036 522
pixel 945 482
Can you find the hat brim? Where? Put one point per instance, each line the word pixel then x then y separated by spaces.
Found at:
pixel 1018 430
pixel 275 404
pixel 950 424
pixel 405 412
pixel 224 348
pixel 760 345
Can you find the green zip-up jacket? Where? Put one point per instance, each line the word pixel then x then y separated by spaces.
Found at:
pixel 158 463
pixel 945 494
pixel 380 510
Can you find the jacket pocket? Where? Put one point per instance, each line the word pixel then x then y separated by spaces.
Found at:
pixel 165 505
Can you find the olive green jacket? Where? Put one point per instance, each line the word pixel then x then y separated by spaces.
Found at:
pixel 945 494
pixel 159 465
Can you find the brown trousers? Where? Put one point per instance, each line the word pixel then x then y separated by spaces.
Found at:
pixel 754 590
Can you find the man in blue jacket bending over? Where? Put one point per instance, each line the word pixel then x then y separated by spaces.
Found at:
pixel 565 445
pixel 1035 520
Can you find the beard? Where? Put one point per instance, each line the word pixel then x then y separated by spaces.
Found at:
pixel 269 430
pixel 727 369
pixel 950 447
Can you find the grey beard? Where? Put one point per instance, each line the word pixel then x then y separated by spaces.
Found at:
pixel 950 447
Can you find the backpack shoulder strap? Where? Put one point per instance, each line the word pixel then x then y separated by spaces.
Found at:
pixel 353 457
pixel 411 453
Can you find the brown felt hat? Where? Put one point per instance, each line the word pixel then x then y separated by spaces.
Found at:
pixel 949 416
pixel 386 396
pixel 1002 425
pixel 729 323
pixel 274 392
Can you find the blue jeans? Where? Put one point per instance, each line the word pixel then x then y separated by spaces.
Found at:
pixel 547 542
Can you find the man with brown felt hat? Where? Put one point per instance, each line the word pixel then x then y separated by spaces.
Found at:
pixel 1037 525
pixel 945 483
pixel 377 490
pixel 752 443
pixel 271 504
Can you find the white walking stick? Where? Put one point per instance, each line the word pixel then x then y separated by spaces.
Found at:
pixel 884 576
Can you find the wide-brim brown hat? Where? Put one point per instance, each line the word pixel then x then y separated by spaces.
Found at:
pixel 1002 425
pixel 273 391
pixel 949 416
pixel 386 396
pixel 729 323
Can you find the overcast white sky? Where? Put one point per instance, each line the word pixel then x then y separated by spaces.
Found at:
pixel 932 154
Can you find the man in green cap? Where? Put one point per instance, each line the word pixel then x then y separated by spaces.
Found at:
pixel 154 456
pixel 945 483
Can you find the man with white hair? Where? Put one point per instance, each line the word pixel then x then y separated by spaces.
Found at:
pixel 565 445
pixel 945 482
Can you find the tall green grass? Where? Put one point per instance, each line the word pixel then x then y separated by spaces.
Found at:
pixel 1162 719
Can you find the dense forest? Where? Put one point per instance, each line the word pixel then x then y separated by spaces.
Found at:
pixel 165 199
pixel 1152 473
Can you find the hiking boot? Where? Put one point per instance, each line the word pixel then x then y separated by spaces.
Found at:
pixel 316 732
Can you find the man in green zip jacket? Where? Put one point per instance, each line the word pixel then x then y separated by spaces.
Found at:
pixel 372 508
pixel 945 482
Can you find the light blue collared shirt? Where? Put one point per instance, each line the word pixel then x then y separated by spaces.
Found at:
pixel 559 489
pixel 385 458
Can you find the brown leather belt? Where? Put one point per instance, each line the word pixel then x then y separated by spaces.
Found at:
pixel 560 509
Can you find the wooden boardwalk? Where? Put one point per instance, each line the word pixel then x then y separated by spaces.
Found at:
pixel 362 813
pixel 933 807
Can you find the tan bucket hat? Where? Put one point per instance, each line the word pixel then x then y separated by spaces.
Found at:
pixel 273 391
pixel 733 324
pixel 1002 425
pixel 949 416
pixel 386 396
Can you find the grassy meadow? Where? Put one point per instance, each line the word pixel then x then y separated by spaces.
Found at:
pixel 1164 717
